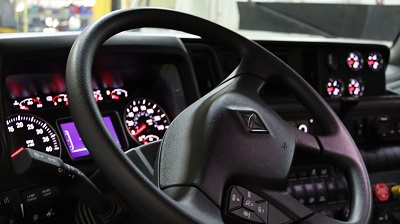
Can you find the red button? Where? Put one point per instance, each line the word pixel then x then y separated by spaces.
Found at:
pixel 381 192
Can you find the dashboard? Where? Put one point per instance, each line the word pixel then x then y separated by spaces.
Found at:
pixel 141 83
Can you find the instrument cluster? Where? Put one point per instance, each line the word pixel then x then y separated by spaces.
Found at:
pixel 137 106
pixel 354 74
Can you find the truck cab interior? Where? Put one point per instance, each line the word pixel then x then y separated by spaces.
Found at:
pixel 113 125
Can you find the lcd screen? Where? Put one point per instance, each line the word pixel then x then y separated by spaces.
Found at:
pixel 74 142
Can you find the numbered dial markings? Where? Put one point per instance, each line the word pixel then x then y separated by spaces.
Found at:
pixel 27 131
pixel 146 121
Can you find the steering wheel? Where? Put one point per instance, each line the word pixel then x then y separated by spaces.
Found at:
pixel 228 138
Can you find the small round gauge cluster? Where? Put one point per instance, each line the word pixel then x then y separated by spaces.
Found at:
pixel 355 61
pixel 335 88
pixel 355 71
pixel 50 101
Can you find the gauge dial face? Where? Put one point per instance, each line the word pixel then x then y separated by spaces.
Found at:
pixel 355 61
pixel 30 103
pixel 375 61
pixel 117 94
pixel 355 88
pixel 61 99
pixel 145 120
pixel 27 131
pixel 335 88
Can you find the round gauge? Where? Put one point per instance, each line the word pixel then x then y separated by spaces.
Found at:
pixel 97 95
pixel 30 103
pixel 27 131
pixel 375 61
pixel 355 88
pixel 355 61
pixel 335 88
pixel 117 94
pixel 145 120
pixel 61 99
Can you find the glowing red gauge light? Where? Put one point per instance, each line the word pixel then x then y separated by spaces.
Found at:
pixel 350 63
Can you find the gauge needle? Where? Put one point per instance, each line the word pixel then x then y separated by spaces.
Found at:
pixel 140 130
pixel 115 97
pixel 17 152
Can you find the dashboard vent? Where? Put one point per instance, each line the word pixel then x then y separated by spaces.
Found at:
pixel 207 75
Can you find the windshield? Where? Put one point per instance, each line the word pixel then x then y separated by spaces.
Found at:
pixel 355 19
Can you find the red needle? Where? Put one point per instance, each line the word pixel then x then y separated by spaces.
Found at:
pixel 115 97
pixel 140 130
pixel 17 152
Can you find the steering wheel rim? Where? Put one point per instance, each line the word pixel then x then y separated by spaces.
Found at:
pixel 143 195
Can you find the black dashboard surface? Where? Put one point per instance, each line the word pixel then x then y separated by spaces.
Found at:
pixel 136 75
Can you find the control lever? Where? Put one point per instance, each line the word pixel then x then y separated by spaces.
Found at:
pixel 50 169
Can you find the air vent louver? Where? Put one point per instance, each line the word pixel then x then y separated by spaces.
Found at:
pixel 206 71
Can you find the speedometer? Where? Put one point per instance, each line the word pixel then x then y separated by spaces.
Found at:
pixel 145 120
pixel 27 131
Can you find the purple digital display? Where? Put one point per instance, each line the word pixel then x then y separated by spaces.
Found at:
pixel 74 142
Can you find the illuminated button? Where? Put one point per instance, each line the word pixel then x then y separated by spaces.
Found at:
pixel 381 192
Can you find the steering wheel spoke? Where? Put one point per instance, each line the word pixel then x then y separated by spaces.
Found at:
pixel 306 143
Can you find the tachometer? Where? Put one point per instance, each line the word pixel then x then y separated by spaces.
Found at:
pixel 145 120
pixel 27 131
